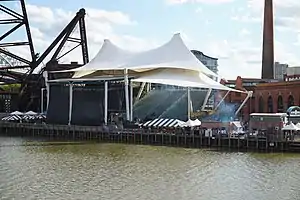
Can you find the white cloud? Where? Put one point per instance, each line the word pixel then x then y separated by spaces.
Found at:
pixel 286 13
pixel 286 21
pixel 245 32
pixel 100 25
pixel 243 55
pixel 237 58
pixel 198 1
pixel 283 54
pixel 297 43
pixel 248 18
pixel 199 10
pixel 114 17
pixel 40 14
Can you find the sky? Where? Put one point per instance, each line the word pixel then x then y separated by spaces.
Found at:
pixel 230 30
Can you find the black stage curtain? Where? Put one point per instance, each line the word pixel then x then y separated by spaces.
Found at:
pixel 58 108
pixel 116 98
pixel 88 105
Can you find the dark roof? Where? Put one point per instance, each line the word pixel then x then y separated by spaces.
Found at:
pixel 253 80
pixel 281 83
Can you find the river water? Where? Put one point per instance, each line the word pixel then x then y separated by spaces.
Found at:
pixel 128 172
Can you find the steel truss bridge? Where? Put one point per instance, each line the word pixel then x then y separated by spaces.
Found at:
pixel 16 69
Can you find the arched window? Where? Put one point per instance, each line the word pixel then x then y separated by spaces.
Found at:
pixel 261 105
pixel 291 101
pixel 280 104
pixel 270 104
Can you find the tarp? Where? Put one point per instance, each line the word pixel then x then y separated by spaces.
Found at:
pixel 58 108
pixel 183 78
pixel 173 54
pixel 88 105
pixel 237 124
pixel 290 127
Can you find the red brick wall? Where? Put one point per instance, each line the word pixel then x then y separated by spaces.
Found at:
pixel 274 92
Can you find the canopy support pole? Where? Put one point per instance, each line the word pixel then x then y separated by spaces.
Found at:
pixel 148 87
pixel 140 91
pixel 206 98
pixel 131 101
pixel 192 108
pixel 42 100
pixel 222 100
pixel 250 93
pixel 105 102
pixel 189 102
pixel 126 93
pixel 48 95
pixel 70 102
pixel 45 74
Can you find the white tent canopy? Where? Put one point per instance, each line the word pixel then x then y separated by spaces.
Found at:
pixel 183 78
pixel 16 113
pixel 191 123
pixel 109 57
pixel 173 54
pixel 237 124
pixel 290 127
pixel 161 122
pixel 171 64
pixel 30 113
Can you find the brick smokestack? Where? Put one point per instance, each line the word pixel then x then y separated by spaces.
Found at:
pixel 267 71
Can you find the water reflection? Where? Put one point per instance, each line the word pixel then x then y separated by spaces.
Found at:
pixel 116 171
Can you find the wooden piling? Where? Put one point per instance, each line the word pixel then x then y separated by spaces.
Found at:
pixel 138 136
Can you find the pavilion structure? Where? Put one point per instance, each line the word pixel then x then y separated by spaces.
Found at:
pixel 170 64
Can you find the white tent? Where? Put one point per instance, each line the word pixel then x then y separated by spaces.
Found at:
pixel 30 113
pixel 298 125
pixel 290 127
pixel 181 77
pixel 11 118
pixel 109 57
pixel 191 123
pixel 172 63
pixel 237 124
pixel 174 54
pixel 160 122
pixel 16 113
pixel 197 121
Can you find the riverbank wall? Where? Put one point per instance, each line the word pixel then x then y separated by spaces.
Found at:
pixel 143 137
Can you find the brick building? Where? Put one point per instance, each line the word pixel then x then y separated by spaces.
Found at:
pixel 268 96
pixel 276 97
